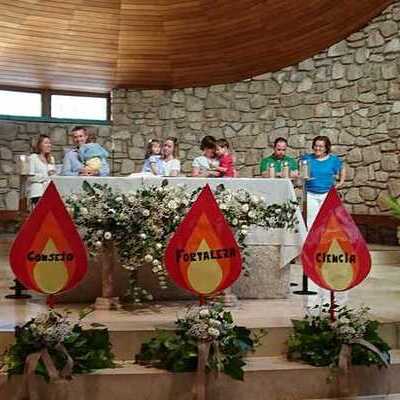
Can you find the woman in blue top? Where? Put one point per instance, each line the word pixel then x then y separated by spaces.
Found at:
pixel 323 169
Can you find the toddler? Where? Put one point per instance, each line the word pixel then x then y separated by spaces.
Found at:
pixel 93 156
pixel 152 161
pixel 226 166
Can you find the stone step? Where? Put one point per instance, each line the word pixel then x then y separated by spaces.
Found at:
pixel 126 342
pixel 272 378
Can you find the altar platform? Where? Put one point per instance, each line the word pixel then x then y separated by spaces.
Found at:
pixel 268 374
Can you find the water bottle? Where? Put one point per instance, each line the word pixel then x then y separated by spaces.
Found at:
pixel 285 170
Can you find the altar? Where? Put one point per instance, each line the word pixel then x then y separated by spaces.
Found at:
pixel 271 251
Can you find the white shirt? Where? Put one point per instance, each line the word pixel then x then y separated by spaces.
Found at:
pixel 171 165
pixel 205 164
pixel 40 171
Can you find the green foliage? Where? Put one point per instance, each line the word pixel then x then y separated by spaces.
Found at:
pixel 178 351
pixel 90 350
pixel 141 223
pixel 394 204
pixel 318 341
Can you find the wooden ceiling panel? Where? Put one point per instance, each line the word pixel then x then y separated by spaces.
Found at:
pixel 97 45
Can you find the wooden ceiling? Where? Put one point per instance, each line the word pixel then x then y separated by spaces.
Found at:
pixel 97 45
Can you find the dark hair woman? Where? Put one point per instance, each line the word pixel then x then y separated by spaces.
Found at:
pixel 171 166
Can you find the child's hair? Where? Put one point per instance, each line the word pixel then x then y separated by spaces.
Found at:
pixel 208 142
pixel 223 143
pixel 149 149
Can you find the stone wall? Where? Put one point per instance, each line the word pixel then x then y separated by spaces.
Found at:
pixel 349 92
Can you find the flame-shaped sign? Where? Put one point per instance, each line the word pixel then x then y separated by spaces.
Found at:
pixel 335 255
pixel 48 254
pixel 203 256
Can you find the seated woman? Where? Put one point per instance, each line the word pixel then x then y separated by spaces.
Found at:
pixel 41 167
pixel 206 165
pixel 170 165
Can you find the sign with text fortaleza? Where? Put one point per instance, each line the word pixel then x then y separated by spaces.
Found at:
pixel 335 255
pixel 48 255
pixel 203 255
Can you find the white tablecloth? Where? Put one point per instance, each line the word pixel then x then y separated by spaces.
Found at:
pixel 272 190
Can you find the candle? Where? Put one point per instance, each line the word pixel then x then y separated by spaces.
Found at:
pixel 304 173
pixel 271 171
pixel 285 170
pixel 23 165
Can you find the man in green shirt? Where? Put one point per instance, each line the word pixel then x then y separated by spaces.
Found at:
pixel 278 158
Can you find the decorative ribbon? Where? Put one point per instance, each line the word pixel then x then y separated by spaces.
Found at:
pixel 345 353
pixel 199 389
pixel 31 362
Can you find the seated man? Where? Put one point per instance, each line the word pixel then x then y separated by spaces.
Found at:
pixel 74 165
pixel 278 159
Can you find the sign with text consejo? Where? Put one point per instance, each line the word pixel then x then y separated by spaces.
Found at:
pixel 335 255
pixel 203 255
pixel 48 255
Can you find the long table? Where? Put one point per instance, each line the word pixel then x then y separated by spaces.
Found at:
pixel 274 246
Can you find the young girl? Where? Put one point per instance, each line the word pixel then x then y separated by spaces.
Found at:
pixel 226 160
pixel 152 159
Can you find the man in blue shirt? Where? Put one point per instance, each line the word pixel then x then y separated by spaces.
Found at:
pixel 73 165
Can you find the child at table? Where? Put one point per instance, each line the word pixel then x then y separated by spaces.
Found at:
pixel 152 159
pixel 93 156
pixel 226 161
pixel 205 165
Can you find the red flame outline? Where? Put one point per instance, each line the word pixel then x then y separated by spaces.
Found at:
pixel 204 205
pixel 333 207
pixel 51 208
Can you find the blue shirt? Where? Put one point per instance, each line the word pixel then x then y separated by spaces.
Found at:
pixel 323 172
pixel 72 164
pixel 153 160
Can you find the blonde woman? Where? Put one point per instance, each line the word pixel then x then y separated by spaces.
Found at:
pixel 41 167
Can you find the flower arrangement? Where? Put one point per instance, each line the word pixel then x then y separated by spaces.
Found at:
pixel 351 339
pixel 178 351
pixel 141 223
pixel 61 345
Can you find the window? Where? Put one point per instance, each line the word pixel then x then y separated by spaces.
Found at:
pixel 78 107
pixel 25 104
pixel 54 106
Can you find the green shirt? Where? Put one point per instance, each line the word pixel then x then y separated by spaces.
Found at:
pixel 278 163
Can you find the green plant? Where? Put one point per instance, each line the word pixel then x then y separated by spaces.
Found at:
pixel 89 349
pixel 318 341
pixel 141 223
pixel 177 351
pixel 394 204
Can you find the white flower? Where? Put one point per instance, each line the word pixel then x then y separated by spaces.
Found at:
pixel 148 258
pixel 98 244
pixel 118 199
pixel 107 235
pixel 244 232
pixel 99 232
pixel 158 246
pixel 172 205
pixel 142 235
pixel 245 208
pixel 235 222
pixel 214 323
pixel 223 206
pixel 146 213
pixel 213 332
pixel 84 211
pixel 255 199
pixel 156 262
pixel 204 313
pixel 155 269
pixel 251 214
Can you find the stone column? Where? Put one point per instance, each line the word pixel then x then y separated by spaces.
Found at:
pixel 107 301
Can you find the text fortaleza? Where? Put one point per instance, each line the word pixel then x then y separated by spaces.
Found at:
pixel 182 255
